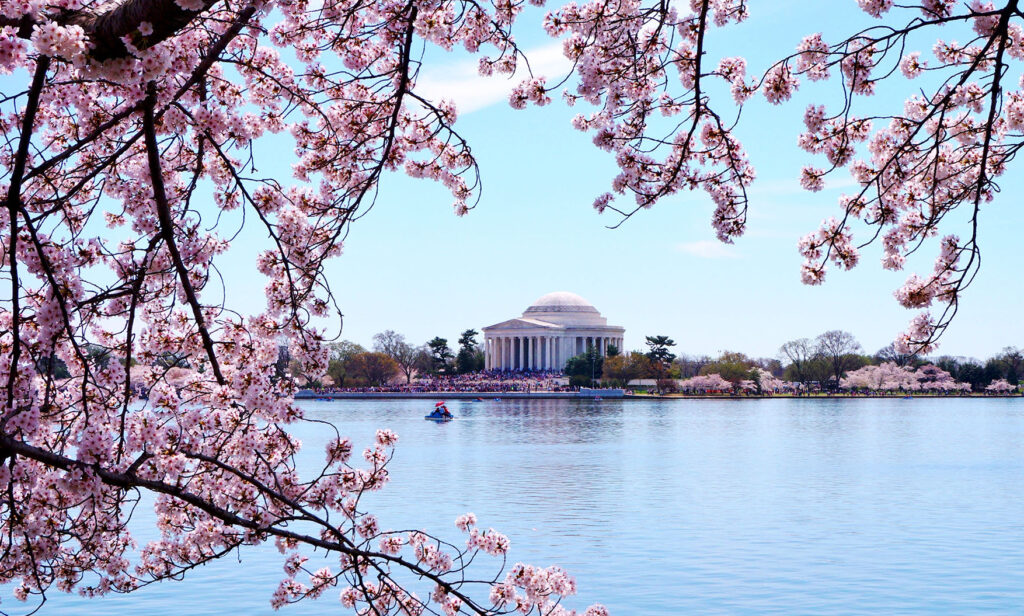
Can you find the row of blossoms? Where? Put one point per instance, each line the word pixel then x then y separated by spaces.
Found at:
pixel 762 382
pixel 890 376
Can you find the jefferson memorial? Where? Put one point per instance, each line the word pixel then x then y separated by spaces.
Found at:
pixel 556 327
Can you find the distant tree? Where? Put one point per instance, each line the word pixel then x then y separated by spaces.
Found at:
pixel 799 354
pixel 339 360
pixel 423 363
pixel 344 350
pixel 388 342
pixel 690 366
pixel 99 356
pixel 589 365
pixel 284 358
pixel 375 368
pixel 625 368
pixel 470 357
pixel 53 366
pixel 815 370
pixel 839 348
pixel 994 370
pixel 1013 361
pixel 612 351
pixel 770 365
pixel 973 373
pixel 658 349
pixel 731 366
pixel 890 353
pixel 394 346
pixel 467 339
pixel 666 386
pixel 441 356
pixel 1001 386
pixel 166 359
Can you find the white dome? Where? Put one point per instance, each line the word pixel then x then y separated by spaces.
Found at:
pixel 561 301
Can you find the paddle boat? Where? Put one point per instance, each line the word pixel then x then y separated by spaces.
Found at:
pixel 440 413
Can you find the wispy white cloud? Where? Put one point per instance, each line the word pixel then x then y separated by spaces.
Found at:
pixel 708 249
pixel 460 82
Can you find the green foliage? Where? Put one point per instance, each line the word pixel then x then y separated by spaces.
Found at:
pixel 340 356
pixel 814 369
pixel 440 355
pixel 393 344
pixel 580 380
pixel 974 374
pixel 731 366
pixel 658 349
pixel 625 368
pixel 589 365
pixel 468 339
pixel 613 351
pixel 375 368
pixel 470 357
pixel 469 360
pixel 54 366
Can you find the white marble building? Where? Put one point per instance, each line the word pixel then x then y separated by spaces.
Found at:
pixel 556 327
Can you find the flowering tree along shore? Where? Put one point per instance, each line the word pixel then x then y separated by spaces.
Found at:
pixel 132 127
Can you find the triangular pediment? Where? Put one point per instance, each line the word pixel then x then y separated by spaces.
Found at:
pixel 523 324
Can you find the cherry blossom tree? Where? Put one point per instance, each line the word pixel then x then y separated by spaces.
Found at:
pixel 133 130
pixel 890 376
pixel 885 377
pixel 1000 386
pixel 706 383
pixel 767 382
pixel 931 377
pixel 939 152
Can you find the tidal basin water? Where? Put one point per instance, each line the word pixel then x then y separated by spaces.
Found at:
pixel 867 506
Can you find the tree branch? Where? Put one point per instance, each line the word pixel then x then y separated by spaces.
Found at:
pixel 106 29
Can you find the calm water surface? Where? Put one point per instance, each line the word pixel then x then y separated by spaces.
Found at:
pixel 691 507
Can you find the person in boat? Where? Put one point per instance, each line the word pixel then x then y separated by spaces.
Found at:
pixel 441 411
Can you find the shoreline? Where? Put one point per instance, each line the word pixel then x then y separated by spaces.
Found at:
pixel 604 395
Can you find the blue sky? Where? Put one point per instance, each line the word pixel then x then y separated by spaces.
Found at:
pixel 411 265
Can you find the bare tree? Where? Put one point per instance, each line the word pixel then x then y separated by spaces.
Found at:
pixel 890 353
pixel 393 344
pixel 799 352
pixel 836 346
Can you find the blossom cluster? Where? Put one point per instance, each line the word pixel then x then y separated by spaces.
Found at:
pixel 943 150
pixel 890 376
pixel 124 366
